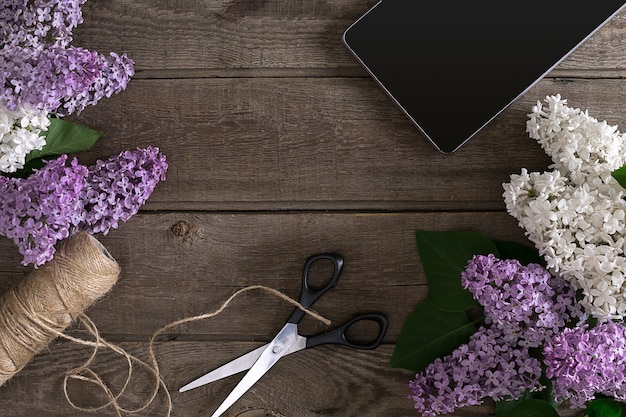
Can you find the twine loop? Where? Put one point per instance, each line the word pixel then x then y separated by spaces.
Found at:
pixel 86 374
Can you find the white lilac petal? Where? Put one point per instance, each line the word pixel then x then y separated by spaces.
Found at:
pixel 576 213
pixel 22 133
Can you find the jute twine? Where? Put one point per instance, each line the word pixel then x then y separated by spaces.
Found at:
pixel 44 304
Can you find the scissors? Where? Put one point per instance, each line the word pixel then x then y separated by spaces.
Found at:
pixel 288 341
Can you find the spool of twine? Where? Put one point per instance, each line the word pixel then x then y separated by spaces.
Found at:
pixel 35 311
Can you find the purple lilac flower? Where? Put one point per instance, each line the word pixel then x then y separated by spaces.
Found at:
pixel 523 301
pixel 39 68
pixel 33 22
pixel 524 307
pixel 584 362
pixel 117 187
pixel 57 200
pixel 60 80
pixel 39 211
pixel 483 368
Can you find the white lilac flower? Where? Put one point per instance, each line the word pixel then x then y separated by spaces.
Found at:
pixel 575 214
pixel 21 131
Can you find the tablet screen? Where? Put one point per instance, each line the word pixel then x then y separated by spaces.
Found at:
pixel 453 65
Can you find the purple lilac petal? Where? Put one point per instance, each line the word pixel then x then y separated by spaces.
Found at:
pixel 524 300
pixel 116 188
pixel 32 22
pixel 482 368
pixel 38 66
pixel 524 307
pixel 60 80
pixel 39 211
pixel 58 200
pixel 584 362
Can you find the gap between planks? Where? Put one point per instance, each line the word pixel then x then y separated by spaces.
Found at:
pixel 339 72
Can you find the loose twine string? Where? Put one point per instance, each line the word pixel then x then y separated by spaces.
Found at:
pixel 47 301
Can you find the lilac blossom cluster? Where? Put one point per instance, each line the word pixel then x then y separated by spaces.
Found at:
pixel 485 367
pixel 526 303
pixel 58 200
pixel 40 210
pixel 119 186
pixel 575 213
pixel 524 308
pixel 33 22
pixel 60 80
pixel 39 68
pixel 584 362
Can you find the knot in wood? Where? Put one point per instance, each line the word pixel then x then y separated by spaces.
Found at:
pixel 182 229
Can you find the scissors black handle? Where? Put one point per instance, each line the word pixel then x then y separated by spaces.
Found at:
pixel 338 335
pixel 308 294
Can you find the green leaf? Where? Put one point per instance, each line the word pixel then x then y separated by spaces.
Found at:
pixel 428 334
pixel 504 406
pixel 620 175
pixel 543 395
pixel 605 407
pixel 523 253
pixel 444 256
pixel 65 137
pixel 531 408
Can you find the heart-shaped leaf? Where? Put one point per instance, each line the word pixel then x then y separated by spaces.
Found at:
pixel 63 137
pixel 444 256
pixel 605 407
pixel 544 395
pixel 430 333
pixel 530 408
pixel 513 250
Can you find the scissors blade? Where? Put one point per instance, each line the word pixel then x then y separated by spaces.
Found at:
pixel 240 364
pixel 275 350
pixel 233 367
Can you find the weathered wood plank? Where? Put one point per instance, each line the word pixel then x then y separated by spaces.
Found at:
pixel 330 381
pixel 222 34
pixel 282 144
pixel 176 265
pixel 230 34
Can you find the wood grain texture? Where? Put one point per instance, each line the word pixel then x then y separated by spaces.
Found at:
pixel 281 146
pixel 169 274
pixel 321 381
pixel 233 34
pixel 318 143
pixel 328 381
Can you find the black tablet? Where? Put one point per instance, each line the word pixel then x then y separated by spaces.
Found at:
pixel 454 65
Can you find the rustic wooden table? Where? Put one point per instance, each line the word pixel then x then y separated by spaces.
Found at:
pixel 280 146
